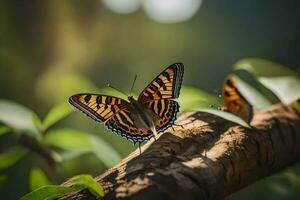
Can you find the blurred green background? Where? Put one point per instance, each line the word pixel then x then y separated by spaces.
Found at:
pixel 50 50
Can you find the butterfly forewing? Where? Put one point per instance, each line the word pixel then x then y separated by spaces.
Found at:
pixel 115 112
pixel 165 86
pixel 234 101
pixel 99 107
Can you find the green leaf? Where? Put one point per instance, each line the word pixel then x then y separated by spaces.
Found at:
pixel 4 129
pixel 37 178
pixel 279 79
pixel 191 98
pixel 18 117
pixel 255 97
pixel 79 182
pixel 104 151
pixel 70 139
pixel 261 67
pixel 10 157
pixel 48 192
pixel 252 81
pixel 37 122
pixel 71 154
pixel 225 115
pixel 57 113
pixel 87 181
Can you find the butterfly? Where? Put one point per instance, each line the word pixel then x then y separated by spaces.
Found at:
pixel 138 120
pixel 234 101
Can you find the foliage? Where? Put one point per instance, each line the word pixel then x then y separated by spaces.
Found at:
pixel 69 139
pixel 37 178
pixel 48 192
pixel 19 118
pixel 20 121
pixel 55 114
pixel 256 81
pixel 9 158
pixel 280 80
pixel 87 181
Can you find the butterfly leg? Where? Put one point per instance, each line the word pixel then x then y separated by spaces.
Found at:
pixel 140 148
pixel 154 134
pixel 173 128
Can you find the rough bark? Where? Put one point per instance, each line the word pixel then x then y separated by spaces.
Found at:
pixel 208 158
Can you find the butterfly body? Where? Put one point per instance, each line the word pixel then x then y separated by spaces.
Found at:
pixel 138 120
pixel 143 117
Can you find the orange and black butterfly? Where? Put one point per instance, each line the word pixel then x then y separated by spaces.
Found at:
pixel 234 101
pixel 138 120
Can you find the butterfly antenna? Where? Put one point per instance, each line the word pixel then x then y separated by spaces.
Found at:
pixel 109 85
pixel 135 77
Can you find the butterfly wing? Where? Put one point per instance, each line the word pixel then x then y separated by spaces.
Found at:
pixel 115 112
pixel 166 110
pixel 98 107
pixel 234 101
pixel 158 95
pixel 123 124
pixel 165 86
pixel 118 114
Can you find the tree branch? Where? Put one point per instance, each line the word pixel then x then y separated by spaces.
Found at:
pixel 209 158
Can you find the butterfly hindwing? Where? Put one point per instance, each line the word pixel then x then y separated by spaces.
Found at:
pixel 122 124
pixel 165 86
pixel 166 109
pixel 234 101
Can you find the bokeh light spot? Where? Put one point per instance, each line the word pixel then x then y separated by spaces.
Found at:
pixel 171 11
pixel 122 6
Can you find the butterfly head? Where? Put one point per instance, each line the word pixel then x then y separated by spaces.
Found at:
pixel 130 98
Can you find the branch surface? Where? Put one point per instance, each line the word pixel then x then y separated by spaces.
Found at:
pixel 207 158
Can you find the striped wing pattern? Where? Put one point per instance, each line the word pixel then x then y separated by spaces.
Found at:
pixel 121 123
pixel 234 102
pixel 98 107
pixel 165 86
pixel 166 109
pixel 115 112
